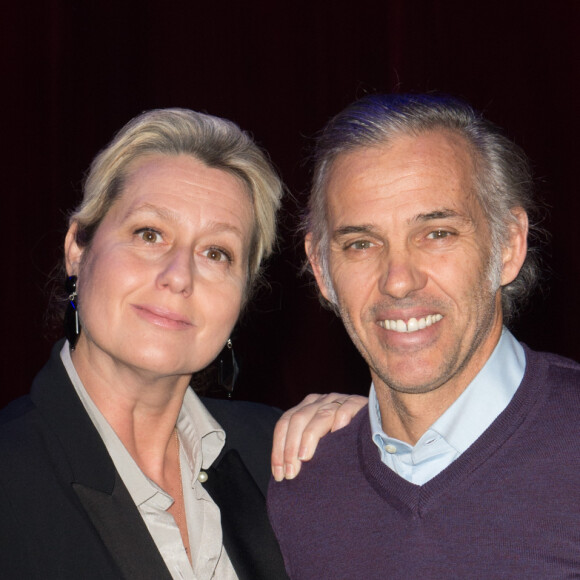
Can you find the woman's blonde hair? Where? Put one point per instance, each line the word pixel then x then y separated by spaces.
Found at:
pixel 216 142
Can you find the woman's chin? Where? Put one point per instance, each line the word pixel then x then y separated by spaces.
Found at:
pixel 152 360
pixel 161 365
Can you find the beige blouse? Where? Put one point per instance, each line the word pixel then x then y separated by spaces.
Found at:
pixel 201 440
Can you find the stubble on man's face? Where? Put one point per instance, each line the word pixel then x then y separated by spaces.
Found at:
pixel 410 262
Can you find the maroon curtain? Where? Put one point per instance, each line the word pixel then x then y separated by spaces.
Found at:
pixel 74 72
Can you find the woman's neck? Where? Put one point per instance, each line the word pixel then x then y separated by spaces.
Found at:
pixel 141 408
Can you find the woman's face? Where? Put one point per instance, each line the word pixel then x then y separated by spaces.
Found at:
pixel 161 285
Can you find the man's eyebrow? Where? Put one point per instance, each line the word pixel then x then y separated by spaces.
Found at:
pixel 347 230
pixel 371 230
pixel 439 214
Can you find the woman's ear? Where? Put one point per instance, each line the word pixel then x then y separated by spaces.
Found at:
pixel 516 248
pixel 72 251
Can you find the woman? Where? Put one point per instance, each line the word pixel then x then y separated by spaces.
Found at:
pixel 112 467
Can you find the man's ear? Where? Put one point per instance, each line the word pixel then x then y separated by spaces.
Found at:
pixel 72 252
pixel 321 279
pixel 515 251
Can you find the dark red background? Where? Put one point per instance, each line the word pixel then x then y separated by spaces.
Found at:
pixel 74 72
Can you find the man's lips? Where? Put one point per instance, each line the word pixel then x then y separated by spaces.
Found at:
pixel 162 316
pixel 411 324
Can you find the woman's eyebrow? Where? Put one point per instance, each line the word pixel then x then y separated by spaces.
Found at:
pixel 150 209
pixel 175 217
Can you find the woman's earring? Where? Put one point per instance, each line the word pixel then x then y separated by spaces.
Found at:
pixel 227 368
pixel 72 327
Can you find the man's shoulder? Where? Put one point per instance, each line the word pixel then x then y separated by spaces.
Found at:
pixel 337 455
pixel 559 370
pixel 554 359
pixel 553 382
pixel 346 438
pixel 327 485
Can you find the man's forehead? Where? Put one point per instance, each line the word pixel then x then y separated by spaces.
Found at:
pixel 439 145
pixel 426 174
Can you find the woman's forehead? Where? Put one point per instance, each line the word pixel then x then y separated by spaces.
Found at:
pixel 183 184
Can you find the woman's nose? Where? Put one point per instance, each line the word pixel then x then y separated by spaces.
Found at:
pixel 177 272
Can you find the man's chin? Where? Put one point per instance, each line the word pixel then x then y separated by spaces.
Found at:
pixel 414 374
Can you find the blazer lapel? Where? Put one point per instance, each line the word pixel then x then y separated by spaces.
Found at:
pixel 90 472
pixel 123 531
pixel 247 534
pixel 248 537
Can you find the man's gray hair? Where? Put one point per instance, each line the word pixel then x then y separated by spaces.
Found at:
pixel 503 179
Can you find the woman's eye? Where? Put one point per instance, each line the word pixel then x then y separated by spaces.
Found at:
pixel 149 235
pixel 217 255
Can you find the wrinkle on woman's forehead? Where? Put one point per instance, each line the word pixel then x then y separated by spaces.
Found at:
pixel 174 183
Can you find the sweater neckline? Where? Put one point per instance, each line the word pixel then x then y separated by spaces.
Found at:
pixel 420 499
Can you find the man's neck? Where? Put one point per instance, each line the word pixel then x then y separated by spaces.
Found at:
pixel 407 416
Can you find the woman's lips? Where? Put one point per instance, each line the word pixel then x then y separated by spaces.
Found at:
pixel 162 317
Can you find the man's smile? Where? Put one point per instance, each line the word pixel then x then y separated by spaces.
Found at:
pixel 411 325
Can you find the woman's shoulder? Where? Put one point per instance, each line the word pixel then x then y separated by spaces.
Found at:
pixel 22 438
pixel 243 414
pixel 16 410
pixel 17 422
pixel 248 426
pixel 249 429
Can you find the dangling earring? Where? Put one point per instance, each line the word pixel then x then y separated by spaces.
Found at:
pixel 227 368
pixel 72 327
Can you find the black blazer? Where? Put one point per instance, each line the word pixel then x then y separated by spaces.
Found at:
pixel 65 513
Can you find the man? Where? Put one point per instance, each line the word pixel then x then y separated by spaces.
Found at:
pixel 466 464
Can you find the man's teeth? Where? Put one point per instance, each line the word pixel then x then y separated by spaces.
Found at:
pixel 412 325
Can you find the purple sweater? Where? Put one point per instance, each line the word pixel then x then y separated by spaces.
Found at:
pixel 509 507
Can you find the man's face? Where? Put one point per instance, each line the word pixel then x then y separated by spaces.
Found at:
pixel 410 263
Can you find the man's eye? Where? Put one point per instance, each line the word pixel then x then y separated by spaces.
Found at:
pixel 439 234
pixel 149 235
pixel 217 255
pixel 359 245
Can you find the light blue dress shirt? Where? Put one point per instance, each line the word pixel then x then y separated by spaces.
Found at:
pixel 462 423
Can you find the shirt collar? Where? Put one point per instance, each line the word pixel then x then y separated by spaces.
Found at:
pixel 486 396
pixel 200 434
pixel 196 426
pixel 476 408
